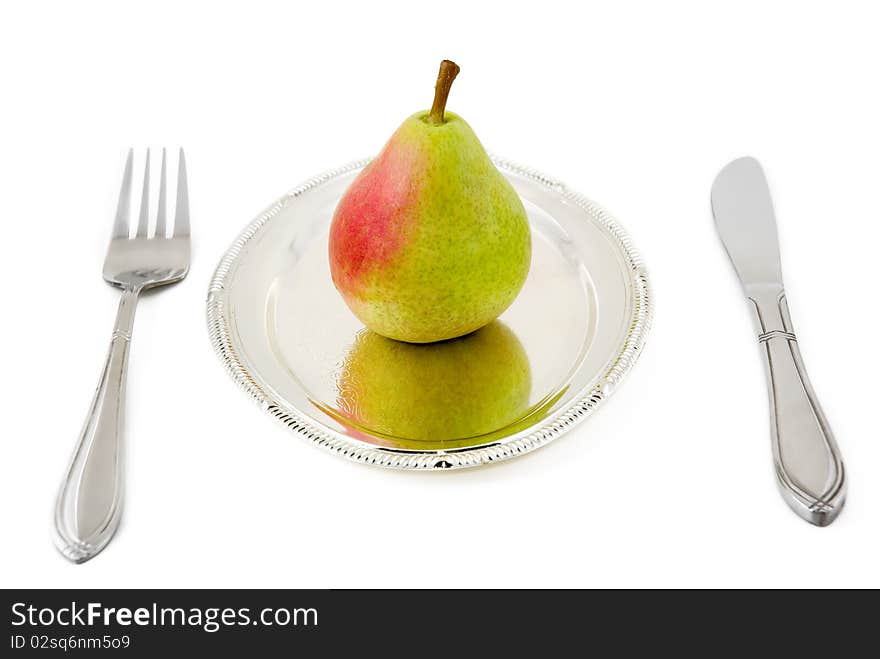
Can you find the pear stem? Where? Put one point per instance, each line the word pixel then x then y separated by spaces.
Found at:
pixel 448 71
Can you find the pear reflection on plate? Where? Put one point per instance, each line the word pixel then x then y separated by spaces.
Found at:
pixel 450 394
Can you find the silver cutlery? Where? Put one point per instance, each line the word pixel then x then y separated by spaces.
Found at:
pixel 89 504
pixel 809 468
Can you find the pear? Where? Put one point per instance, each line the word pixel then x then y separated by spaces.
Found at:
pixel 430 241
pixel 442 392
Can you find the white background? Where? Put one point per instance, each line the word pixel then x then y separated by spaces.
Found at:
pixel 638 105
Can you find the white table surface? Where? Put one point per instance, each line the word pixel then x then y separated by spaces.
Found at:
pixel 637 105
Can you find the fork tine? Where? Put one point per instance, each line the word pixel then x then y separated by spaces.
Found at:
pixel 145 201
pixel 181 211
pixel 120 225
pixel 160 214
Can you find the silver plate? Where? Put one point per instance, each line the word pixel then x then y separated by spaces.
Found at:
pixel 287 338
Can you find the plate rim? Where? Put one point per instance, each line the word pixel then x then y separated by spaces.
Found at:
pixel 582 405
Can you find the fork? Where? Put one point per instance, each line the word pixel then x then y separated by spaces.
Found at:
pixel 89 504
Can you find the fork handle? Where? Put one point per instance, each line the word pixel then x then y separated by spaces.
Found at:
pixel 89 504
pixel 809 467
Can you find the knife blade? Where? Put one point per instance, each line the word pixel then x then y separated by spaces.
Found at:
pixel 809 467
pixel 746 223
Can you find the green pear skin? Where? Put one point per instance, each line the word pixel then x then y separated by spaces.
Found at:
pixel 430 242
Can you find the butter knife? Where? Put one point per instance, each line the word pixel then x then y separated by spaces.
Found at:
pixel 809 468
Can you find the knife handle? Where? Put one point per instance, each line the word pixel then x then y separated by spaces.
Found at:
pixel 809 467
